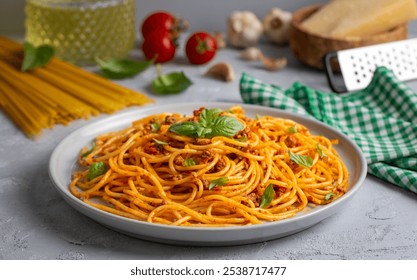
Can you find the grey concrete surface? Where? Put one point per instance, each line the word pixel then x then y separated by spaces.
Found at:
pixel 36 223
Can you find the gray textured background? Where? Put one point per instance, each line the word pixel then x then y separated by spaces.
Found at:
pixel 36 223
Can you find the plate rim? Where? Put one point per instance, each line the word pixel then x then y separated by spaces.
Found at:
pixel 64 190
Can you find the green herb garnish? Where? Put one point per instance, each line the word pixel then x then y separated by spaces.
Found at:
pixel 186 129
pixel 122 68
pixel 304 161
pixel 329 196
pixel 208 116
pixel 211 124
pixel 267 196
pixel 155 126
pixel 292 129
pixel 88 151
pixel 320 151
pixel 218 182
pixel 174 82
pixel 159 142
pixel 189 162
pixel 96 169
pixel 36 57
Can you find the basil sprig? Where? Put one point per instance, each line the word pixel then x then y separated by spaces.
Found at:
pixel 218 182
pixel 122 68
pixel 96 169
pixel 302 160
pixel 174 82
pixel 267 196
pixel 35 57
pixel 211 124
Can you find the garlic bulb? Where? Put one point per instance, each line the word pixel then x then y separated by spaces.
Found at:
pixel 276 25
pixel 243 29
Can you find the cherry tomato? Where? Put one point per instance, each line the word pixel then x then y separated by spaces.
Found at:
pixel 200 48
pixel 159 46
pixel 158 20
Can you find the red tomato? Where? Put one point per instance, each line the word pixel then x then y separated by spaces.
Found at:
pixel 158 20
pixel 200 48
pixel 159 46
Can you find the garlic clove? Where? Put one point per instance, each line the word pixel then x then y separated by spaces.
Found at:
pixel 222 70
pixel 273 64
pixel 251 54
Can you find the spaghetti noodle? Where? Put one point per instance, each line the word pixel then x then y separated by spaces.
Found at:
pixel 269 170
pixel 56 93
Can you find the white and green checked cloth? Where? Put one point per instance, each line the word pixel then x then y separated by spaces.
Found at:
pixel 381 119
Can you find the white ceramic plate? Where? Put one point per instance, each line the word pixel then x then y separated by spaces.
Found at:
pixel 64 157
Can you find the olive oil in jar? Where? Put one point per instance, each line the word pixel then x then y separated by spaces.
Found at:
pixel 82 30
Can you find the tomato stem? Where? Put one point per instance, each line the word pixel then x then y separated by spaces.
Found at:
pixel 202 46
pixel 158 69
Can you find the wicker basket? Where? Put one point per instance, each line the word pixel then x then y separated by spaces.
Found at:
pixel 310 48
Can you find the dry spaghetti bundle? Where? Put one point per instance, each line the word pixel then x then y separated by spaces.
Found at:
pixel 56 93
pixel 268 169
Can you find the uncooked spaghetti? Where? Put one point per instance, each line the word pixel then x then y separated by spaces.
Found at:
pixel 214 168
pixel 56 93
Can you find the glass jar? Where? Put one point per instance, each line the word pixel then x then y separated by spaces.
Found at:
pixel 82 30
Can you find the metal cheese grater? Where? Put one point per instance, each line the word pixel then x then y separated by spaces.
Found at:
pixel 358 65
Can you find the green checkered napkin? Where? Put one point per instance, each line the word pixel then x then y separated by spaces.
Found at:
pixel 381 119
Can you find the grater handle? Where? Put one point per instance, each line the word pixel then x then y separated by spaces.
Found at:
pixel 330 74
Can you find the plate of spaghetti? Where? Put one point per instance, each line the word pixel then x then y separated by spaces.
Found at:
pixel 207 174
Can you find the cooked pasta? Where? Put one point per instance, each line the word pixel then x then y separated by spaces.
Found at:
pixel 56 93
pixel 268 170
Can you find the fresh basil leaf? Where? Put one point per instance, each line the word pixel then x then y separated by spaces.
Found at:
pixel 122 68
pixel 267 196
pixel 96 169
pixel 202 132
pixel 304 161
pixel 208 116
pixel 211 126
pixel 292 129
pixel 257 117
pixel 155 126
pixel 218 182
pixel 242 139
pixel 88 151
pixel 189 129
pixel 36 57
pixel 329 196
pixel 159 142
pixel 189 162
pixel 174 82
pixel 320 151
pixel 225 126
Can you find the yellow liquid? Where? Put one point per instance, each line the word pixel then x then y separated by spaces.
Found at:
pixel 80 31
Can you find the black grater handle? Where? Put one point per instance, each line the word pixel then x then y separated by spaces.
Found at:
pixel 331 79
